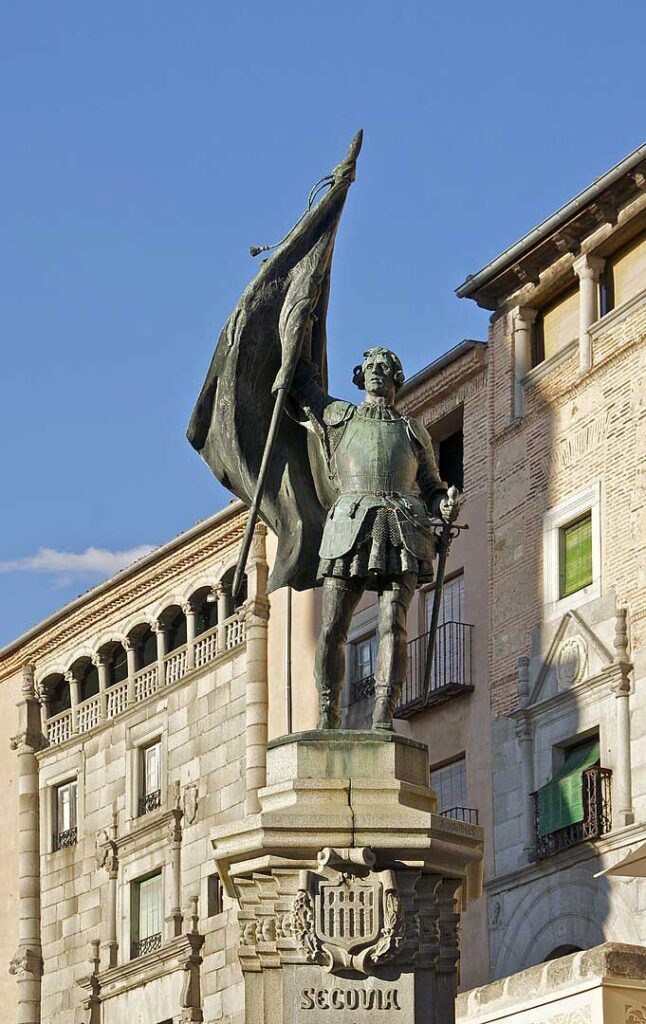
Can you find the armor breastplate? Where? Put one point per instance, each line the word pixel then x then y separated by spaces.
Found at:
pixel 375 455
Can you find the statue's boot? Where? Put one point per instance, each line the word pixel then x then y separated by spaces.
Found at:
pixel 382 715
pixel 330 715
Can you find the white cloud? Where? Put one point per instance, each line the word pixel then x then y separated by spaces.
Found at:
pixel 70 564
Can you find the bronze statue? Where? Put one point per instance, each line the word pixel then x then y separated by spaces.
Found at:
pixel 350 491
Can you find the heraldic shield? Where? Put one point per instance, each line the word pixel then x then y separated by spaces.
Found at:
pixel 346 915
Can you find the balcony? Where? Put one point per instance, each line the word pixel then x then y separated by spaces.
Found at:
pixel 88 714
pixel 143 946
pixel 150 802
pixel 452 670
pixel 61 840
pixel 597 819
pixel 467 814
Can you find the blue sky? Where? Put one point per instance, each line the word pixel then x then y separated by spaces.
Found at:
pixel 147 145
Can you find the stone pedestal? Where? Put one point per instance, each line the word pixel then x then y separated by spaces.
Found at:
pixel 349 884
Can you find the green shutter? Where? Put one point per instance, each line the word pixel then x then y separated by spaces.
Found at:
pixel 576 556
pixel 560 802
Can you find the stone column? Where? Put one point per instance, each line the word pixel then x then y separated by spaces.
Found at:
pixel 132 653
pixel 588 269
pixel 101 661
pixel 224 602
pixel 27 964
pixel 175 919
pixel 73 684
pixel 256 707
pixel 107 856
pixel 449 953
pixel 622 800
pixel 161 632
pixel 191 630
pixel 523 320
pixel 525 739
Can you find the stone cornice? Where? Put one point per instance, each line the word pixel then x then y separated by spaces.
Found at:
pixel 168 958
pixel 575 855
pixel 141 585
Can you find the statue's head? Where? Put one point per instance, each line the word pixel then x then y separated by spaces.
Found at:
pixel 380 373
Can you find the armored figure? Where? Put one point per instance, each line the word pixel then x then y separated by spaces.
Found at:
pixel 377 534
pixel 348 490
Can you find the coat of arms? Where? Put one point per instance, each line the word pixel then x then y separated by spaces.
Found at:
pixel 346 915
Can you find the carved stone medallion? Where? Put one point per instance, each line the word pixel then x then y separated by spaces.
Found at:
pixel 346 915
pixel 571 661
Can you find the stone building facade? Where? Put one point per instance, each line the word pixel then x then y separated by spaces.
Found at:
pixel 139 714
pixel 567 573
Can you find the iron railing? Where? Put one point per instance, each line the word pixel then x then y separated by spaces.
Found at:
pixel 150 802
pixel 468 814
pixel 61 840
pixel 149 944
pixel 452 670
pixel 597 820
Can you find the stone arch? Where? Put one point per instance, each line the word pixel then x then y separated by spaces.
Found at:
pixel 570 907
pixel 109 636
pixel 168 601
pixel 50 668
pixel 139 619
pixel 201 582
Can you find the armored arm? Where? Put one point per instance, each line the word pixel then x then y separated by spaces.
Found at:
pixel 432 489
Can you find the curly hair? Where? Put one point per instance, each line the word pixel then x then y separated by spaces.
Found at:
pixel 358 374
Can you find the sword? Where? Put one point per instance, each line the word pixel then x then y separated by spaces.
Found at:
pixel 446 536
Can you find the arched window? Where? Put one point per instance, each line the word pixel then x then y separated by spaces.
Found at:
pixel 206 609
pixel 56 691
pixel 232 604
pixel 175 622
pixel 88 678
pixel 144 641
pixel 116 661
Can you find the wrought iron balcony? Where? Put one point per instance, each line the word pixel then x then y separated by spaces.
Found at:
pixel 150 802
pixel 597 819
pixel 61 840
pixel 468 814
pixel 147 945
pixel 452 670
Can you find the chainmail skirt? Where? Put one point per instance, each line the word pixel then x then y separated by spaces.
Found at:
pixel 377 554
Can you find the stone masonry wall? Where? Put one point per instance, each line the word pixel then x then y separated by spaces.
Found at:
pixel 203 733
pixel 575 431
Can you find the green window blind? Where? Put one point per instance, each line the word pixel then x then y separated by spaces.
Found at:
pixel 576 555
pixel 560 802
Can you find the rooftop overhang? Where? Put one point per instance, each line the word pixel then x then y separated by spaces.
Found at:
pixel 562 232
pixel 439 364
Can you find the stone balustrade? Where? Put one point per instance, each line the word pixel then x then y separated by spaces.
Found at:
pixel 86 715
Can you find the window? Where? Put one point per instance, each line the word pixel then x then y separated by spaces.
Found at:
pixel 556 326
pixel 451 459
pixel 449 659
pixel 572 553
pixel 213 895
pixel 624 275
pixel 146 915
pixel 65 815
pixel 574 805
pixel 575 556
pixel 150 775
pixel 363 655
pixel 450 785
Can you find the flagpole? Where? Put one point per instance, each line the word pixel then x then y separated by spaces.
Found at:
pixel 276 417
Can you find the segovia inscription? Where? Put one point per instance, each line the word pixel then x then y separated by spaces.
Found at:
pixel 350 999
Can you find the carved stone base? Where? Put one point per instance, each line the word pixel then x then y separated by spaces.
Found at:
pixel 348 884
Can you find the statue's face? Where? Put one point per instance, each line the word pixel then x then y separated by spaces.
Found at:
pixel 379 373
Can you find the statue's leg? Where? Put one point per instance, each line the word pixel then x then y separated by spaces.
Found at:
pixel 392 654
pixel 340 598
